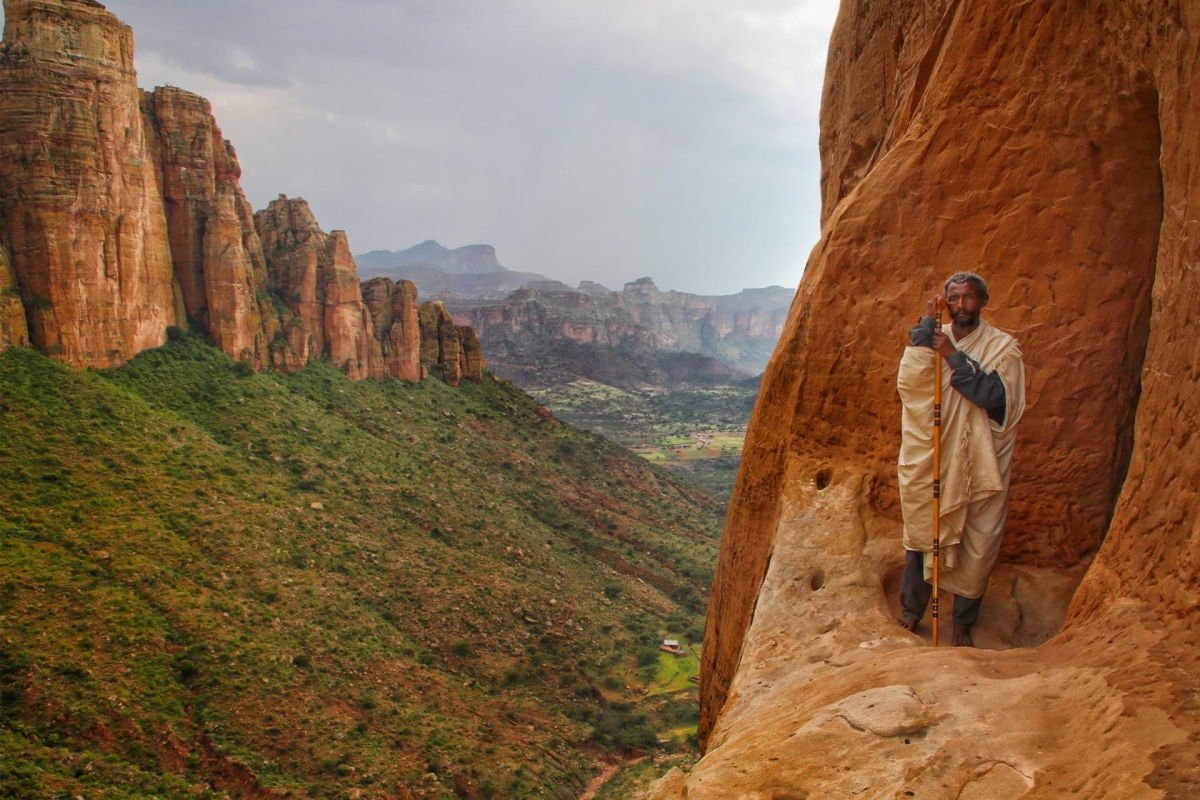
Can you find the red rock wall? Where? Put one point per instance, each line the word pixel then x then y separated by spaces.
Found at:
pixel 82 216
pixel 348 328
pixel 218 258
pixel 454 350
pixel 1044 146
pixel 393 308
pixel 315 274
pixel 121 214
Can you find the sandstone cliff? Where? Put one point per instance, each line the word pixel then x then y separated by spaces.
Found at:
pixel 738 330
pixel 1045 146
pixel 449 349
pixel 121 214
pixel 393 308
pixel 315 274
pixel 218 258
pixel 81 213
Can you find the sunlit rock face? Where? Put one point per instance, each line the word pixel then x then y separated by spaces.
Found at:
pixel 1045 147
pixel 315 275
pixel 218 258
pixel 80 212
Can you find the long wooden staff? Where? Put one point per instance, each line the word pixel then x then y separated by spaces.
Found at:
pixel 937 471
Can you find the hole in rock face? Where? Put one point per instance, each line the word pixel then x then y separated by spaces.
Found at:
pixel 824 476
pixel 818 580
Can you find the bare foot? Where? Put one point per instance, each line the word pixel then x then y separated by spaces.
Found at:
pixel 908 623
pixel 962 636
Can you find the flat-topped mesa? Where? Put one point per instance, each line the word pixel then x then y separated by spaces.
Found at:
pixel 218 258
pixel 80 211
pixel 315 274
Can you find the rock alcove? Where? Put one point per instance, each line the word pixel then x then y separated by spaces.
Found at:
pixel 1048 148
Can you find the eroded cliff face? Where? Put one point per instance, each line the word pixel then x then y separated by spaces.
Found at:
pixel 739 330
pixel 121 213
pixel 393 309
pixel 81 213
pixel 218 259
pixel 1045 147
pixel 452 350
pixel 315 274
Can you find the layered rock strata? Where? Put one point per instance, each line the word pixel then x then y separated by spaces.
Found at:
pixel 218 259
pixel 449 349
pixel 1045 147
pixel 738 330
pixel 81 213
pixel 316 277
pixel 121 214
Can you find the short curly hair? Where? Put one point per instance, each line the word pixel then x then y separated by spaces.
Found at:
pixel 968 277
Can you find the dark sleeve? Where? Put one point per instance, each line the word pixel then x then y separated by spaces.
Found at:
pixel 984 389
pixel 922 333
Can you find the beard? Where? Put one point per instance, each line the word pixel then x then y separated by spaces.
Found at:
pixel 965 319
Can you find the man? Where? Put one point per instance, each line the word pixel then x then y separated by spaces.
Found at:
pixel 983 397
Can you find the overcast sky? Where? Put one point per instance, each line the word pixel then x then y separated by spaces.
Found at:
pixel 599 140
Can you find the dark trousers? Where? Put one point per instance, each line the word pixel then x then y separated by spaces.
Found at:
pixel 915 593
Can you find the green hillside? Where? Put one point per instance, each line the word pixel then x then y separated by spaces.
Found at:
pixel 218 582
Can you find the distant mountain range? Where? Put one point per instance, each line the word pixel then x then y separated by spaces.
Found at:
pixel 539 331
pixel 472 271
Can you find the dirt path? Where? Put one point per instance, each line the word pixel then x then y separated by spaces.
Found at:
pixel 608 771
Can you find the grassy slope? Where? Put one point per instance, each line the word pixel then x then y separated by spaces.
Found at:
pixel 308 585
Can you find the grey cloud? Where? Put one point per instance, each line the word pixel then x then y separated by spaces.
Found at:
pixel 586 140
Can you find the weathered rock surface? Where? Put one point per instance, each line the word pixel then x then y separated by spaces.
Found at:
pixel 1046 147
pixel 315 274
pixel 81 213
pixel 121 214
pixel 393 308
pixel 738 330
pixel 453 350
pixel 14 332
pixel 218 258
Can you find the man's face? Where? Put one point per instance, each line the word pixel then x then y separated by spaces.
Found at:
pixel 964 303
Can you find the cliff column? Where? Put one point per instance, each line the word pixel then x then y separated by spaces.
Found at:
pixel 315 275
pixel 218 258
pixel 393 308
pixel 82 216
pixel 454 350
